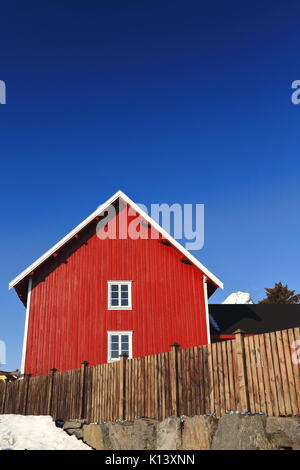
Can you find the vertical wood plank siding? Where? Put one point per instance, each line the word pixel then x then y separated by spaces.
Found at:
pixel 69 316
pixel 208 379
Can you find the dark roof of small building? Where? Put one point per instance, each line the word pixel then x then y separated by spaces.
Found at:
pixel 253 319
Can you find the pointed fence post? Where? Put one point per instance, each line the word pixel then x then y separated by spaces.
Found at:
pixel 27 383
pixel 174 379
pixel 242 382
pixel 83 372
pixel 122 391
pixel 50 391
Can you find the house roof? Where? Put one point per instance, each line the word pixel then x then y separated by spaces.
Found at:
pixel 252 318
pixel 91 217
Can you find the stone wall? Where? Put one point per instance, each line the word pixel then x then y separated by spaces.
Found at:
pixel 231 432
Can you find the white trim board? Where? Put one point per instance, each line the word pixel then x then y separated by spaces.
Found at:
pixel 206 310
pixel 97 212
pixel 26 327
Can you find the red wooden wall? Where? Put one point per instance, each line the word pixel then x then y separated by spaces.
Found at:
pixel 69 318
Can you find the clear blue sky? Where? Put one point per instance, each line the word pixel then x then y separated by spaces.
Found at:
pixel 170 101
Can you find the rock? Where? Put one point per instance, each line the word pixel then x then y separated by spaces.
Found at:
pixel 72 425
pixel 240 432
pixel 95 435
pixel 198 432
pixel 59 423
pixel 75 432
pixel 120 436
pixel 284 433
pixel 139 435
pixel 145 434
pixel 169 434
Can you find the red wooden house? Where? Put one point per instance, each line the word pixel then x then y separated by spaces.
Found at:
pixel 91 298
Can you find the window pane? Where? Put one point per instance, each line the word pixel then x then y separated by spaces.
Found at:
pixel 114 354
pixel 114 302
pixel 124 295
pixel 125 348
pixel 114 295
pixel 124 302
pixel 115 339
pixel 114 287
pixel 115 346
pixel 124 338
pixel 124 287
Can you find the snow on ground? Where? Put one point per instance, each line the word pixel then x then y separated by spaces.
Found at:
pixel 238 298
pixel 35 433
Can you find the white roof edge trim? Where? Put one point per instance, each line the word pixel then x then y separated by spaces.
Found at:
pixel 59 244
pixel 98 211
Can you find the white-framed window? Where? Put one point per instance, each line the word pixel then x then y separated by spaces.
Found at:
pixel 119 342
pixel 119 295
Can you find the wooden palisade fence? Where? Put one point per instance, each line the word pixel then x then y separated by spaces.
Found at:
pixel 258 374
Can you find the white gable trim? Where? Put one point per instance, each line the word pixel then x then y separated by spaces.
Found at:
pixel 102 208
pixel 26 327
pixel 206 309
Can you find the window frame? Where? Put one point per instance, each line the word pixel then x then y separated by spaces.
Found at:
pixel 118 333
pixel 109 299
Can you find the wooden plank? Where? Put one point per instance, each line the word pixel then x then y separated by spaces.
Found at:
pixel 159 395
pixel 122 382
pixel 283 371
pixel 206 378
pixel 249 371
pixel 96 418
pixel 105 395
pixel 266 376
pixel 185 384
pixel 180 390
pixel 211 381
pixel 259 367
pixel 290 372
pixel 174 354
pixel 142 379
pixel 129 390
pixel 241 371
pixel 156 388
pixel 232 377
pixel 196 382
pixel 135 385
pixel 221 378
pixel 226 375
pixel 162 366
pixel 270 365
pixel 256 396
pixel 216 379
pixel 201 383
pixel 294 338
pixel 187 358
pixel 102 395
pixel 278 378
pixel 152 388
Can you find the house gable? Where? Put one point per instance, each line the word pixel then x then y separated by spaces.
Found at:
pixel 20 283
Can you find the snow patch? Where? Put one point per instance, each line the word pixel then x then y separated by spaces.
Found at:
pixel 19 432
pixel 238 298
